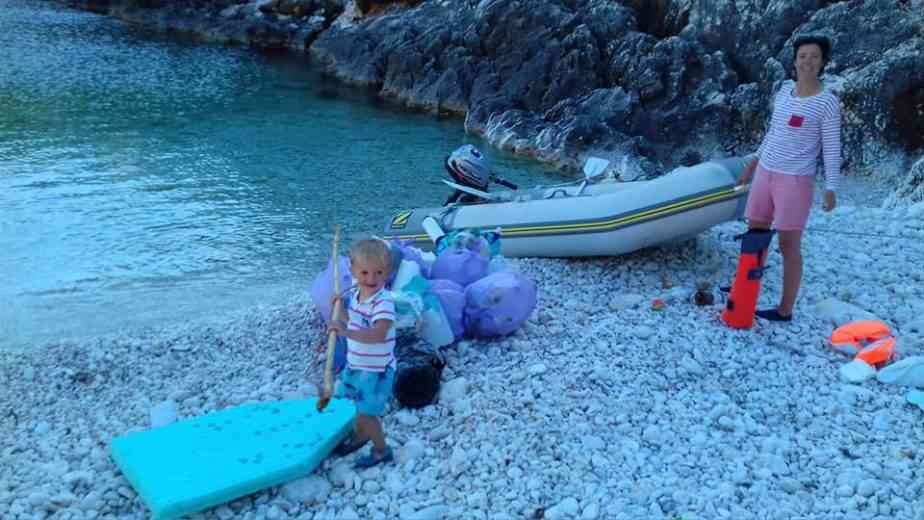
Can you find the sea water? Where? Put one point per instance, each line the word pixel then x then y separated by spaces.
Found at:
pixel 147 179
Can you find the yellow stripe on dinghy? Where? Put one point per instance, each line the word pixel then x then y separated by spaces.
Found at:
pixel 609 224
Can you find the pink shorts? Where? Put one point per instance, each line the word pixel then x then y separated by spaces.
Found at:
pixel 781 199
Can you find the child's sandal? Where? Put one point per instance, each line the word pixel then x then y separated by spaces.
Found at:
pixel 347 447
pixel 371 460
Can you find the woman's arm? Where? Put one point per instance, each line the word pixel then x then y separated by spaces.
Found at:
pixel 831 146
pixel 747 172
pixel 831 154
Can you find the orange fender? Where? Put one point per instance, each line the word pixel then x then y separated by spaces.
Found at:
pixel 742 301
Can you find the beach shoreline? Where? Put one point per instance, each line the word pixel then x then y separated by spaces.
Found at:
pixel 598 407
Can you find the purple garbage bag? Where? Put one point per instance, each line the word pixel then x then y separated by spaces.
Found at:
pixel 322 289
pixel 396 254
pixel 452 299
pixel 409 253
pixel 462 266
pixel 498 304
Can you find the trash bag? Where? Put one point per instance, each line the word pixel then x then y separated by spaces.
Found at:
pixel 340 354
pixel 407 271
pixel 485 243
pixel 396 255
pixel 409 309
pixel 498 304
pixel 420 367
pixel 411 254
pixel 417 306
pixel 322 289
pixel 498 263
pixel 462 266
pixel 452 299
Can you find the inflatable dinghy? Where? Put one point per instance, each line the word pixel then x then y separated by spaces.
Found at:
pixel 589 217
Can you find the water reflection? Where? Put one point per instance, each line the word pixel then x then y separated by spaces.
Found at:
pixel 145 179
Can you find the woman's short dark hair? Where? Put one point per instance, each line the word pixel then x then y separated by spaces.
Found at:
pixel 822 42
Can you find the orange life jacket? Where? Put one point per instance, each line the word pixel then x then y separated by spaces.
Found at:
pixel 870 341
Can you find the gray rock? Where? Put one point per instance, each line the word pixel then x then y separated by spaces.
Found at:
pixel 868 487
pixel 840 313
pixel 567 508
pixel 434 512
pixel 856 371
pixel 790 485
pixel 845 491
pixel 310 489
pixel 163 414
pixel 726 423
pixel 907 372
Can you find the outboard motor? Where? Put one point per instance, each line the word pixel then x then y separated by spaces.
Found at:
pixel 470 168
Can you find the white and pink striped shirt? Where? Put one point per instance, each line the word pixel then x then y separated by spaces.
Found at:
pixel 801 129
pixel 374 357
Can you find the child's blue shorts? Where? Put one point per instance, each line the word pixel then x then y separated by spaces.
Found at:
pixel 369 390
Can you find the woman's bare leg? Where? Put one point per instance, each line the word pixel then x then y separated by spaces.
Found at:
pixel 791 249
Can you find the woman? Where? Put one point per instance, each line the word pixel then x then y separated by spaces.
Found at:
pixel 806 124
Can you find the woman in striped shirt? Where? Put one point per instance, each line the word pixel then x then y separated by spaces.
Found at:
pixel 806 124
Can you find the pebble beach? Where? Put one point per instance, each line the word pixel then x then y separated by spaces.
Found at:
pixel 598 407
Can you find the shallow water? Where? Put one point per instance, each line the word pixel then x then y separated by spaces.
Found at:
pixel 146 179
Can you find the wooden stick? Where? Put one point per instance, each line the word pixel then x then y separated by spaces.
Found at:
pixel 332 335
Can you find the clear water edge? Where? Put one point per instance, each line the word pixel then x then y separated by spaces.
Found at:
pixel 147 179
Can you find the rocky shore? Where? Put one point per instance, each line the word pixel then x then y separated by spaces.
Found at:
pixel 599 407
pixel 652 83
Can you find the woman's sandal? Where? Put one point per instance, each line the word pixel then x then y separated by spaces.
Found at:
pixel 772 315
pixel 371 460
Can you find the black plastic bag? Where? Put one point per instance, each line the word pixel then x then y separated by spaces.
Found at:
pixel 420 367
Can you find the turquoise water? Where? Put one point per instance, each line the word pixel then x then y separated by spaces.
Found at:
pixel 146 179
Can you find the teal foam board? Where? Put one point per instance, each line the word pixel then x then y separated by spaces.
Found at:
pixel 201 462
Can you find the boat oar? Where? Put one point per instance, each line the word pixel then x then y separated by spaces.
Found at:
pixel 332 335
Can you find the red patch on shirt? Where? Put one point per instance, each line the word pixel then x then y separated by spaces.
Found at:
pixel 796 121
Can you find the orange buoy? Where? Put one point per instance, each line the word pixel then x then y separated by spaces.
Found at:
pixel 742 301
